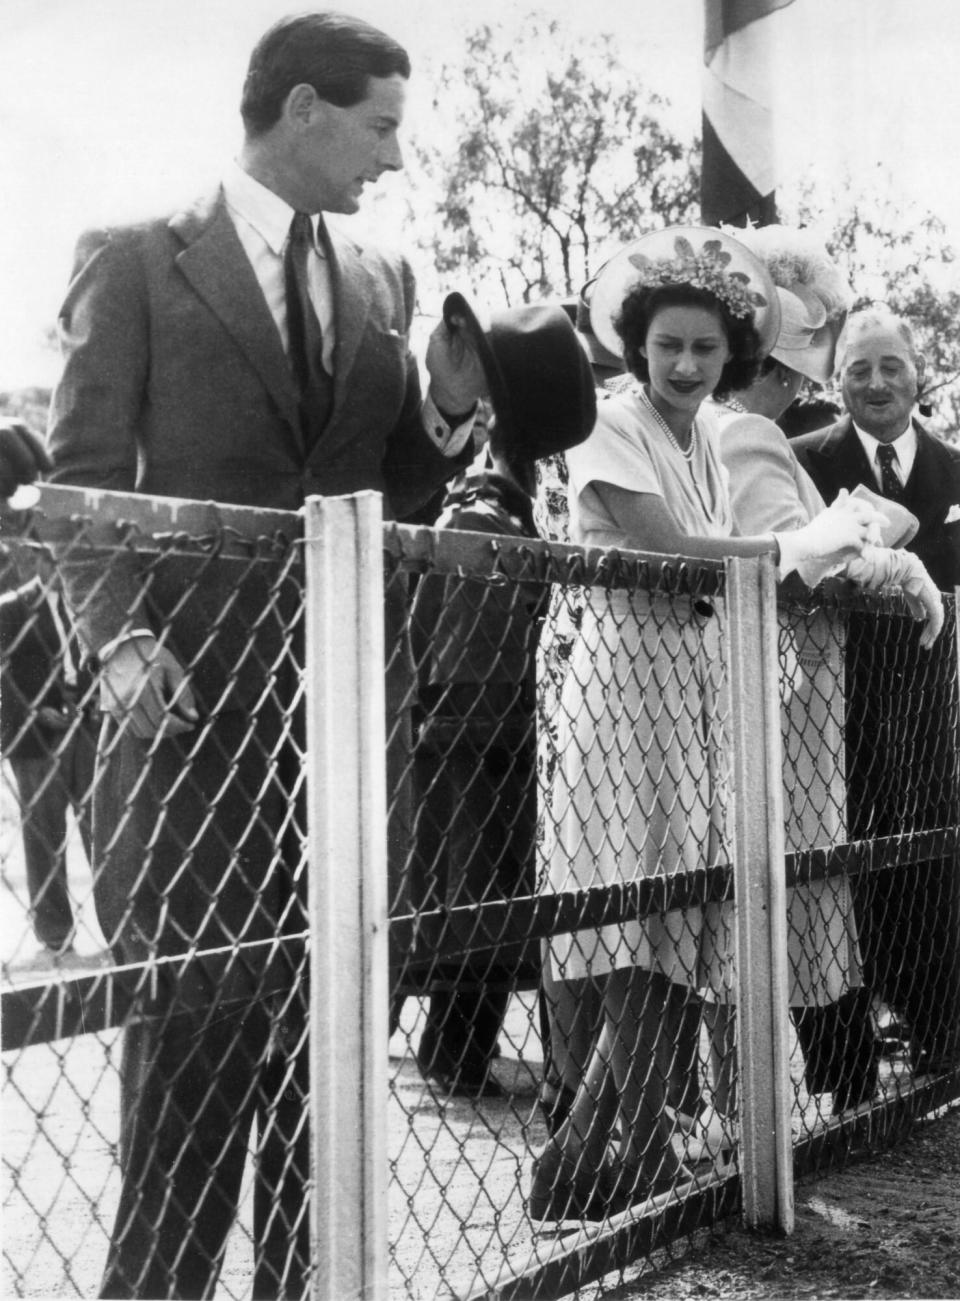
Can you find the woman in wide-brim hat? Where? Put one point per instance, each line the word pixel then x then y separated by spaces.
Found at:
pixel 642 788
pixel 769 489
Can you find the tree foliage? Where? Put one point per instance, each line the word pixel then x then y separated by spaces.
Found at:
pixel 546 151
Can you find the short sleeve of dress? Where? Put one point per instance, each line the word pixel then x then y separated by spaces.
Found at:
pixel 629 450
pixel 615 452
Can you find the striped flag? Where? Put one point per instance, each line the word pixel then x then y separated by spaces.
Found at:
pixel 738 180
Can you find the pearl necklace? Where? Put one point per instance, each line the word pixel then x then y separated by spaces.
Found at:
pixel 734 405
pixel 686 452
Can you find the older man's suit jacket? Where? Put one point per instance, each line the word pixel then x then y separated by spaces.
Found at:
pixel 176 383
pixel 834 458
pixel 901 777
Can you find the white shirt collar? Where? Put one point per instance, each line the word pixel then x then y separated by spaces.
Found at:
pixel 904 444
pixel 268 214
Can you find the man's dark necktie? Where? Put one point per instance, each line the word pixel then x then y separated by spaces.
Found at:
pixel 305 338
pixel 890 484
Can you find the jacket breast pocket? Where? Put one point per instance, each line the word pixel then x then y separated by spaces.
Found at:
pixel 383 360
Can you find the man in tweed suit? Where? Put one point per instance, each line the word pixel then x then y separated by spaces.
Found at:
pixel 186 374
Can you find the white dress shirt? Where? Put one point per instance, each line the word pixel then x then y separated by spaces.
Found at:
pixel 262 221
pixel 905 446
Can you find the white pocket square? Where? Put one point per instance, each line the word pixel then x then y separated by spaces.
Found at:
pixel 953 515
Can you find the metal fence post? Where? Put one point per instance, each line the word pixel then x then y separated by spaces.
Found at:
pixel 348 894
pixel 760 886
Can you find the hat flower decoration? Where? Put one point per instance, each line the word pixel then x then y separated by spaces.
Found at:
pixel 708 269
pixel 702 257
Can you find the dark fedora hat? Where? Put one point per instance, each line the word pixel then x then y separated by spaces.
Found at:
pixel 540 381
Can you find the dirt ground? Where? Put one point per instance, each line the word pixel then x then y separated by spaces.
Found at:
pixel 886 1226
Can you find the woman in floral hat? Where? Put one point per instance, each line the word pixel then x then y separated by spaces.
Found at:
pixel 642 787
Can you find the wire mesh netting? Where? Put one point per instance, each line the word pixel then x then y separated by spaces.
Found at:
pixel 157 889
pixel 565 1076
pixel 870 765
pixel 606 1091
pixel 567 770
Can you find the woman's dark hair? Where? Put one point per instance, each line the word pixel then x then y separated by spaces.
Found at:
pixel 335 54
pixel 644 301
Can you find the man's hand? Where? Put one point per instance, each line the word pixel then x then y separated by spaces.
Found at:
pixel 143 682
pixel 22 458
pixel 456 375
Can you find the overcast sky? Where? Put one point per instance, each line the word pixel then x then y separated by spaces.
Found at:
pixel 111 109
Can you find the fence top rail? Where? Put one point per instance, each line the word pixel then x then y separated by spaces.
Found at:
pixel 485 555
pixel 104 518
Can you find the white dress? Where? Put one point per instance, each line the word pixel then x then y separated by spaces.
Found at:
pixel 642 787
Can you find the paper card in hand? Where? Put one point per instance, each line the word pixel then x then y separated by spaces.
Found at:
pixel 901 523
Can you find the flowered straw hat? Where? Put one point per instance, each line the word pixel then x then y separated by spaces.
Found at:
pixel 693 255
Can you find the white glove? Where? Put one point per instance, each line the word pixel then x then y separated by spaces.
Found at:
pixel 837 534
pixel 879 567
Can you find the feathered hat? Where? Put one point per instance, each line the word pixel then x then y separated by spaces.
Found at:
pixel 814 296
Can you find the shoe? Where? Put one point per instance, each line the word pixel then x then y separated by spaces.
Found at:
pixel 561 1190
pixel 892 1046
pixel 848 1098
pixel 45 958
pixel 462 1084
pixel 926 1063
pixel 556 1105
pixel 706 1137
pixel 633 1187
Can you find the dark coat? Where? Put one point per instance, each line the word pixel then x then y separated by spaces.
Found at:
pixel 31 674
pixel 834 458
pixel 901 771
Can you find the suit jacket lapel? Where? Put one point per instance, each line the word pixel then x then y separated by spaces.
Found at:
pixel 352 295
pixel 851 465
pixel 215 264
pixel 929 482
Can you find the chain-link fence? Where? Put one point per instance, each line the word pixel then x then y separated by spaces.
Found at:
pixel 870 738
pixel 160 893
pixel 636 965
